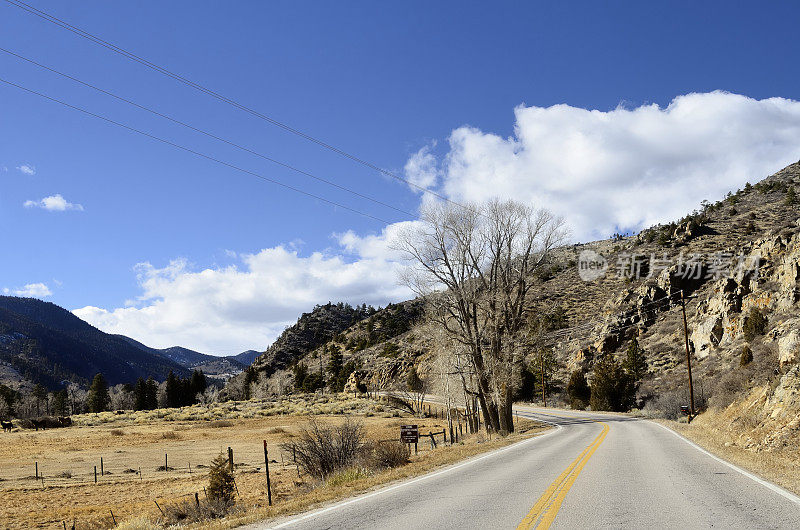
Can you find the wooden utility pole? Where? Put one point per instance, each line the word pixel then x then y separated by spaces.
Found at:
pixel 688 358
pixel 541 369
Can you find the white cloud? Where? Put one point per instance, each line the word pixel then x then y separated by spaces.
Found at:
pixel 27 169
pixel 625 168
pixel 234 308
pixel 53 203
pixel 33 290
pixel 421 168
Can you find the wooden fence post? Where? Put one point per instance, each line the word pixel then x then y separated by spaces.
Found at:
pixel 37 470
pixel 95 474
pixel 230 458
pixel 101 466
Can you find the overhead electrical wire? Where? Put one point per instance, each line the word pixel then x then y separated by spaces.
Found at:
pixel 194 152
pixel 133 57
pixel 206 133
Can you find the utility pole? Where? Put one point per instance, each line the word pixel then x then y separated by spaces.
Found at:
pixel 541 370
pixel 688 358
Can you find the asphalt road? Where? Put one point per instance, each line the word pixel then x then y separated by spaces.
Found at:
pixel 591 471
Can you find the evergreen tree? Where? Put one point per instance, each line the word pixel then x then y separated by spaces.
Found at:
pixel 300 374
pixel 98 399
pixel 635 363
pixel 197 385
pixel 578 390
pixel 220 480
pixel 612 387
pixel 40 394
pixel 173 390
pixel 791 197
pixel 151 395
pixel 335 365
pixel 140 395
pixel 60 402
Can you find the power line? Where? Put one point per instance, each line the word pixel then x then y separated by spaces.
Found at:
pixel 197 153
pixel 130 55
pixel 206 133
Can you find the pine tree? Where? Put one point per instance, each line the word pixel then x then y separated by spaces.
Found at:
pixel 335 365
pixel 612 387
pixel 98 399
pixel 197 385
pixel 173 390
pixel 151 399
pixel 40 394
pixel 140 395
pixel 791 197
pixel 220 480
pixel 578 390
pixel 635 362
pixel 60 402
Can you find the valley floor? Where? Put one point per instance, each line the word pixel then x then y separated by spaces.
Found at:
pixel 133 448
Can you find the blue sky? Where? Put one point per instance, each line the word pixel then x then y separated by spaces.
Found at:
pixel 443 93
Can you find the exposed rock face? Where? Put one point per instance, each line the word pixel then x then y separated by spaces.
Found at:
pixel 355 383
pixel 789 346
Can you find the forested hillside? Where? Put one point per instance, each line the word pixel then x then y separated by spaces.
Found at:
pixel 43 343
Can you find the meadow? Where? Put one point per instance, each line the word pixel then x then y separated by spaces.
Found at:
pixel 154 461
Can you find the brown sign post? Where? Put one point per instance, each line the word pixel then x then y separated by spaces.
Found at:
pixel 409 434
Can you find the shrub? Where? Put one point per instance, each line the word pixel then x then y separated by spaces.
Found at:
pixel 612 388
pixel 746 356
pixel 218 424
pixel 390 454
pixel 117 432
pixel 578 390
pixel 220 481
pixel 323 450
pixel 754 324
pixel 791 197
pixel 347 476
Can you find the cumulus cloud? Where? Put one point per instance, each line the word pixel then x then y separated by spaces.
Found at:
pixel 626 168
pixel 421 168
pixel 603 171
pixel 32 290
pixel 27 169
pixel 230 309
pixel 53 203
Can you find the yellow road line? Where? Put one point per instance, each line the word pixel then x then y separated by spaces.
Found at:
pixel 546 508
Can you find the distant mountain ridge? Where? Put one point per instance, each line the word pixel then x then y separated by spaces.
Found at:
pixel 41 342
pixel 211 365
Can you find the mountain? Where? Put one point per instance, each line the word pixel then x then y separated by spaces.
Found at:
pixel 245 358
pixel 42 342
pixel 744 328
pixel 222 368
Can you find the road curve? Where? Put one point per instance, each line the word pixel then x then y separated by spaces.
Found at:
pixel 591 471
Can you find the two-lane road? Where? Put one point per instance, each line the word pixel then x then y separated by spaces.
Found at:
pixel 591 471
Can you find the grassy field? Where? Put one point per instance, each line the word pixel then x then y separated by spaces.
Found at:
pixel 133 448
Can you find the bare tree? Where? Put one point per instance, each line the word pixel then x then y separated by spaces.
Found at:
pixel 475 266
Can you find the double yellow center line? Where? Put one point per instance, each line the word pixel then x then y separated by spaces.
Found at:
pixel 546 508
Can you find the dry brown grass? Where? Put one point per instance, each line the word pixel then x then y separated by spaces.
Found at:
pixel 67 458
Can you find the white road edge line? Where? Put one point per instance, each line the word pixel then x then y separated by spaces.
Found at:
pixel 777 489
pixel 412 481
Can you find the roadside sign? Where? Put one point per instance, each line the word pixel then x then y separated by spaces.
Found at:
pixel 409 434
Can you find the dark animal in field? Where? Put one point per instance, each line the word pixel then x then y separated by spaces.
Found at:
pixel 39 423
pixel 7 425
pixel 65 421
